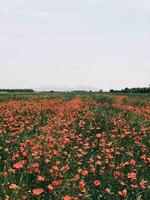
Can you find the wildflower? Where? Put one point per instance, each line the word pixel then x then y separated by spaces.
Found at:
pixel 122 183
pixel 107 190
pixel 67 197
pixel 50 187
pixel 134 186
pixel 76 177
pixel 132 162
pixel 130 154
pixel 84 172
pixel 122 149
pixel 97 183
pixel 7 198
pixel 82 185
pixel 19 164
pixel 54 169
pixel 125 163
pixel 37 191
pixel 116 174
pixel 56 183
pixel 142 184
pixel 47 160
pixel 92 170
pixel 24 197
pixel 15 156
pixel 123 193
pixel 79 163
pixel 98 135
pixel 33 168
pixel 13 186
pixel 132 175
pixel 40 178
pixel 98 162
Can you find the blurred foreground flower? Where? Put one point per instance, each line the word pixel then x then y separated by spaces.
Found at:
pixel 67 197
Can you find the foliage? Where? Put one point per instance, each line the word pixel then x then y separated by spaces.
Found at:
pixel 70 146
pixel 132 90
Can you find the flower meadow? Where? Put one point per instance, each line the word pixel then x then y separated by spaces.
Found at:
pixel 89 146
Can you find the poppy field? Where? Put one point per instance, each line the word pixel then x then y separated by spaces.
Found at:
pixel 74 146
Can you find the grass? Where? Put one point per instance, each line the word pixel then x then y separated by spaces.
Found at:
pixel 74 146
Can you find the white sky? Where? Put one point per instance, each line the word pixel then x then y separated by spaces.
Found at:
pixel 62 44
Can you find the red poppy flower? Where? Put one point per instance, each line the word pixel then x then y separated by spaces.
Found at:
pixel 97 183
pixel 67 197
pixel 50 187
pixel 37 191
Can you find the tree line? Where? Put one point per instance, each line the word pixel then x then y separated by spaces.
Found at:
pixel 132 90
pixel 16 90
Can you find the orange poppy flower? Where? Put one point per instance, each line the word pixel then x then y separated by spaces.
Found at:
pixel 37 191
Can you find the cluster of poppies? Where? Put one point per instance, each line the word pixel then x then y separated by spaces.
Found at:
pixel 74 149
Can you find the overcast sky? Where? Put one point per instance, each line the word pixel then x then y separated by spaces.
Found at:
pixel 62 44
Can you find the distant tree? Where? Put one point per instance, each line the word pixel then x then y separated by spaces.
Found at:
pixel 111 90
pixel 132 90
pixel 16 90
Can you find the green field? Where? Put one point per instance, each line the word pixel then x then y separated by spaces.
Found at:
pixel 74 145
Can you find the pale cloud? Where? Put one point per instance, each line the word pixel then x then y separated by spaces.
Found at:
pixel 88 43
